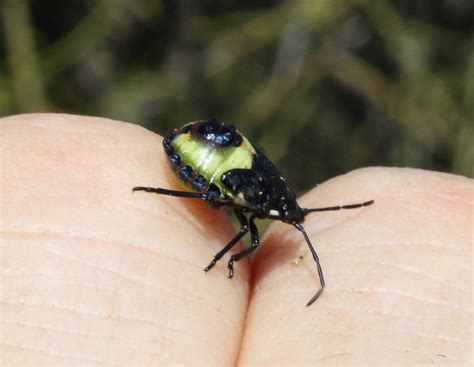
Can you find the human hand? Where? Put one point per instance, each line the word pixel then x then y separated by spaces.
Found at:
pixel 92 273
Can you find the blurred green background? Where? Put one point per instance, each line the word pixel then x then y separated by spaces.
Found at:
pixel 326 86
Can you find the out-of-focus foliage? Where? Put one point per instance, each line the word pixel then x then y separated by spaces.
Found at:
pixel 325 86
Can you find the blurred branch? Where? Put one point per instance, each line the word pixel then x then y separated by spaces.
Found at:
pixel 89 33
pixel 25 79
pixel 259 31
pixel 463 160
pixel 421 100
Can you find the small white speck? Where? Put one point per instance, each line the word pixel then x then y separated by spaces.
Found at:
pixel 274 212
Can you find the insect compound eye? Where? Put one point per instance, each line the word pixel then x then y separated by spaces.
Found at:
pixel 185 172
pixel 175 160
pixel 213 190
pixel 199 182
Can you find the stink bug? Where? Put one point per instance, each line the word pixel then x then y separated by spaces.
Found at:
pixel 219 165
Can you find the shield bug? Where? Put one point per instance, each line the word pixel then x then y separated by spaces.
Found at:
pixel 216 163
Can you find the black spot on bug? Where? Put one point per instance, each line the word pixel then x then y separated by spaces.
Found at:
pixel 185 172
pixel 225 136
pixel 213 190
pixel 169 150
pixel 223 139
pixel 237 140
pixel 208 130
pixel 175 160
pixel 215 133
pixel 167 140
pixel 199 182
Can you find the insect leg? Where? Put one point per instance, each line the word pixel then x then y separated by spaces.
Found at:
pixel 244 227
pixel 181 194
pixel 248 251
pixel 316 259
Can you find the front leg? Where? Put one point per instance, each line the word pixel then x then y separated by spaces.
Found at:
pixel 179 194
pixel 248 251
pixel 244 227
pixel 210 196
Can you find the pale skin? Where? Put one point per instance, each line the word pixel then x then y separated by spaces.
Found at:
pixel 94 274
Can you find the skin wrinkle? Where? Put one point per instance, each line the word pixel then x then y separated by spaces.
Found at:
pixel 143 283
pixel 154 337
pixel 75 284
pixel 185 210
pixel 156 219
pixel 127 277
pixel 351 272
pixel 67 236
pixel 348 219
pixel 409 245
pixel 406 331
pixel 83 334
pixel 332 356
pixel 404 294
pixel 287 236
pixel 344 290
pixel 347 334
pixel 358 245
pixel 88 312
pixel 155 286
pixel 161 289
pixel 182 213
pixel 378 312
pixel 50 352
pixel 449 196
pixel 72 128
pixel 403 269
pixel 422 335
pixel 426 335
pixel 408 268
pixel 91 287
pixel 85 238
pixel 374 341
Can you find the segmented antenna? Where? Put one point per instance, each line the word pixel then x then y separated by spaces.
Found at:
pixel 337 207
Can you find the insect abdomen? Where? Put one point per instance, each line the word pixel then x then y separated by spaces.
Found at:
pixel 200 152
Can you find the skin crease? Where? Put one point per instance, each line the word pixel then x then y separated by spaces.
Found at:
pixel 92 273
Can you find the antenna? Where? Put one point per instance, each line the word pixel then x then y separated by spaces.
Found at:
pixel 337 207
